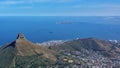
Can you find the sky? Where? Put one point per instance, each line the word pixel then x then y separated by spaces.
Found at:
pixel 59 7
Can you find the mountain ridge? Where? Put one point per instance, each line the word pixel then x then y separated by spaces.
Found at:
pixel 21 48
pixel 83 53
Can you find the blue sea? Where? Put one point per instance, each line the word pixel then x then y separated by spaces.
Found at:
pixel 45 28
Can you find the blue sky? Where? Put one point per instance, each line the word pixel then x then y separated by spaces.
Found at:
pixel 60 7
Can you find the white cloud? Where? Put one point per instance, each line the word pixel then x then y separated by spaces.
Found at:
pixel 97 5
pixel 11 2
pixel 17 4
pixel 21 3
pixel 32 1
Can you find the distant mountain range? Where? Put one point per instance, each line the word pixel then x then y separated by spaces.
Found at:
pixel 80 53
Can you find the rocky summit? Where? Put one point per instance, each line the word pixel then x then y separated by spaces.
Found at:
pixel 80 53
pixel 22 53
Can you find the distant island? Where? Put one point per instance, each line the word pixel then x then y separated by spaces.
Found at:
pixel 79 53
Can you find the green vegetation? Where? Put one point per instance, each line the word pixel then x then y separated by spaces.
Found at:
pixel 31 62
pixel 83 52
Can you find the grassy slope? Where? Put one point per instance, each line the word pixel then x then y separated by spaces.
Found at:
pixel 23 54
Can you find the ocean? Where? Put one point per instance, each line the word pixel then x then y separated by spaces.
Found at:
pixel 46 28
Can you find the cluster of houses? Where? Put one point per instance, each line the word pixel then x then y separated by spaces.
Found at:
pixel 88 60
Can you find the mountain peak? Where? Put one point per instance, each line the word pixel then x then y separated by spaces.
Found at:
pixel 19 42
pixel 21 48
pixel 25 47
pixel 20 36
